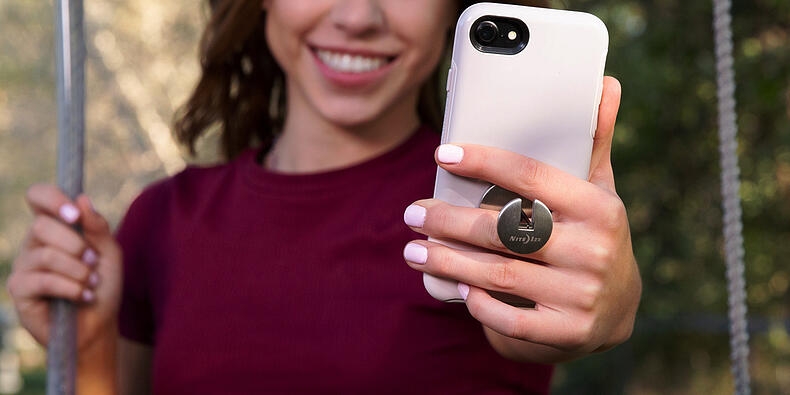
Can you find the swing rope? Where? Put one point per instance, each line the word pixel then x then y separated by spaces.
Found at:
pixel 731 203
pixel 70 66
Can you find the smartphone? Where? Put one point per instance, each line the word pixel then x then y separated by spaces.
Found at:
pixel 524 79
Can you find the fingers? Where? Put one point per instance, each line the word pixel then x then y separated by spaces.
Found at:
pixel 30 285
pixel 60 266
pixel 56 260
pixel 95 227
pixel 53 260
pixel 565 312
pixel 600 164
pixel 489 271
pixel 46 200
pixel 560 191
pixel 49 231
pixel 541 325
pixel 537 180
pixel 49 200
pixel 477 227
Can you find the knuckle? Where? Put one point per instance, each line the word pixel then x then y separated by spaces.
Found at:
pixel 518 327
pixel 46 256
pixel 613 214
pixel 502 275
pixel 531 171
pixel 441 262
pixel 491 238
pixel 39 226
pixel 482 159
pixel 589 295
pixel 83 274
pixel 576 336
pixel 46 284
pixel 584 333
pixel 473 306
pixel 439 218
pixel 601 257
pixel 33 190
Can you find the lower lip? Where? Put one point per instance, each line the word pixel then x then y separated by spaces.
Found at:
pixel 351 80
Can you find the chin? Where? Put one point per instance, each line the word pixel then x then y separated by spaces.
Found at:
pixel 352 116
pixel 351 121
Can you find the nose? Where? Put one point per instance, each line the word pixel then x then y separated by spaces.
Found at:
pixel 358 17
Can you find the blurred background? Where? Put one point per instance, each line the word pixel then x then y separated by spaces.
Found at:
pixel 142 62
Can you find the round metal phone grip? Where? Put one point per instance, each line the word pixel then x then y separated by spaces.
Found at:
pixel 523 226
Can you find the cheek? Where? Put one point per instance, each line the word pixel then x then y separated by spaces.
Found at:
pixel 286 22
pixel 426 31
pixel 276 39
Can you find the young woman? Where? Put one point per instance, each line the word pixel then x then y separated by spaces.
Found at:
pixel 282 270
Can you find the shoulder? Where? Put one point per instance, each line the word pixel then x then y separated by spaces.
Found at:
pixel 186 190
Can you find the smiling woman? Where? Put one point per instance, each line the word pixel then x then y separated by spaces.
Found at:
pixel 240 76
pixel 283 270
pixel 328 102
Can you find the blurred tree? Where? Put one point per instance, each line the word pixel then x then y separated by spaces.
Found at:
pixel 666 164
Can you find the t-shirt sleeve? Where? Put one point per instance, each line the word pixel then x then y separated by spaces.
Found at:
pixel 136 317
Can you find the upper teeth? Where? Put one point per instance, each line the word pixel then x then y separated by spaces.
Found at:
pixel 347 63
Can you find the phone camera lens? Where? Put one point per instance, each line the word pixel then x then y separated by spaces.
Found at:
pixel 486 32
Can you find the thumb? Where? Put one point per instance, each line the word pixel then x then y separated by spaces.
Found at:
pixel 601 165
pixel 95 228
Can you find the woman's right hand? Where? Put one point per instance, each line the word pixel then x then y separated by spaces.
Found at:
pixel 55 261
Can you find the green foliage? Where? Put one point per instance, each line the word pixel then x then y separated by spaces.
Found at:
pixel 667 170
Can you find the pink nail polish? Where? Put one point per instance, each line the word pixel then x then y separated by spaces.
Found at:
pixel 88 296
pixel 450 154
pixel 93 280
pixel 414 216
pixel 89 257
pixel 463 289
pixel 69 213
pixel 415 253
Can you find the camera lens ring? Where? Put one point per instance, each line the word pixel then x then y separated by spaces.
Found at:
pixel 486 32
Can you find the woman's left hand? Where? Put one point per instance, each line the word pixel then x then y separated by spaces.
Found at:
pixel 584 281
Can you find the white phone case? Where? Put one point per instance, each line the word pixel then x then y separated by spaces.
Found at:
pixel 541 102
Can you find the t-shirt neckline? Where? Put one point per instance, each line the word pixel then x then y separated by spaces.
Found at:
pixel 264 180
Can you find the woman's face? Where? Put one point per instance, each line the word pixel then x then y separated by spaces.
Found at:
pixel 353 61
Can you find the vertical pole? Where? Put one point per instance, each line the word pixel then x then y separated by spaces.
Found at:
pixel 70 77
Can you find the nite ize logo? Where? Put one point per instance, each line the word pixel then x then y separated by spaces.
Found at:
pixel 525 239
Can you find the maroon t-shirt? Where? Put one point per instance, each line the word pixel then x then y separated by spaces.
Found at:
pixel 246 281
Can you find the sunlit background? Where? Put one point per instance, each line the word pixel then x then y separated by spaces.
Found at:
pixel 142 61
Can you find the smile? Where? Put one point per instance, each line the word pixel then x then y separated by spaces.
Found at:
pixel 348 63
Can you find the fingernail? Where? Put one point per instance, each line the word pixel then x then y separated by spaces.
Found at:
pixel 93 280
pixel 89 257
pixel 415 253
pixel 69 213
pixel 414 216
pixel 463 289
pixel 450 154
pixel 88 295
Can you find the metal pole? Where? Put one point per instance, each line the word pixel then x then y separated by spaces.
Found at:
pixel 70 77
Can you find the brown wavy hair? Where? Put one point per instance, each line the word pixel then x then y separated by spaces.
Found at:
pixel 240 90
